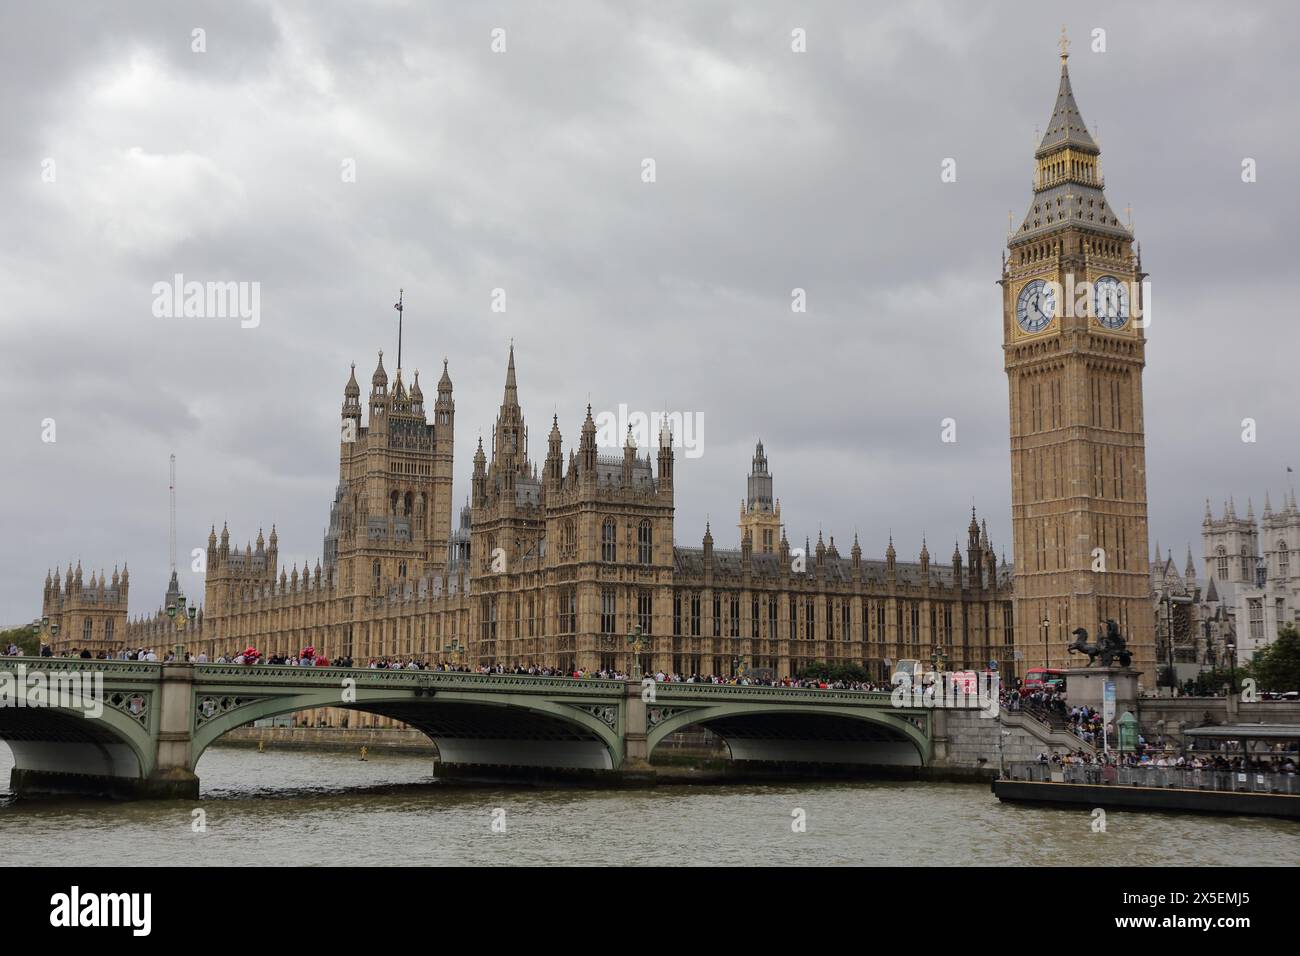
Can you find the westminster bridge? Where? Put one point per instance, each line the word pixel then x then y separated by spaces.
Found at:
pixel 138 729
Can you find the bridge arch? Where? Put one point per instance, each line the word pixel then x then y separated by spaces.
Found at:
pixel 802 733
pixel 69 741
pixel 467 728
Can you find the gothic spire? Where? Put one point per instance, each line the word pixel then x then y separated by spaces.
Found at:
pixel 1066 127
pixel 1068 185
pixel 512 391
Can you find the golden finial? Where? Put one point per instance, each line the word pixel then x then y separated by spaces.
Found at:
pixel 1065 45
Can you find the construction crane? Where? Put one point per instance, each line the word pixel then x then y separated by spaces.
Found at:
pixel 171 541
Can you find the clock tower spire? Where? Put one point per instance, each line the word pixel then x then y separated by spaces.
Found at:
pixel 1074 349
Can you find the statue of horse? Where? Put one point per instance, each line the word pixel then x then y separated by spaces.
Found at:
pixel 1110 647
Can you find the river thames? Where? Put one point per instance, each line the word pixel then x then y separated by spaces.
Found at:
pixel 295 808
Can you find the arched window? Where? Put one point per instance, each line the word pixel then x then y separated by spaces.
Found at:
pixel 570 539
pixel 1283 560
pixel 108 629
pixel 1245 565
pixel 401 569
pixel 608 533
pixel 374 570
pixel 1221 562
pixel 87 628
pixel 392 503
pixel 643 542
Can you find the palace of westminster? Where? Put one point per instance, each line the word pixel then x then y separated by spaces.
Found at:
pixel 559 564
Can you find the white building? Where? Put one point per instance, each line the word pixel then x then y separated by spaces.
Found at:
pixel 1255 569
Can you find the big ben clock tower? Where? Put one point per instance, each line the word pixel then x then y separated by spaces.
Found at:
pixel 1073 336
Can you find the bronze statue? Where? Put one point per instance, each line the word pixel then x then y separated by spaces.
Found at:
pixel 1110 646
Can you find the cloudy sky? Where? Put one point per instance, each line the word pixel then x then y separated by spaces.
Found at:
pixel 521 170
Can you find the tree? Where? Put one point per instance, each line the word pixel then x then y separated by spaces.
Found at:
pixel 28 643
pixel 1277 666
pixel 820 670
pixel 1212 682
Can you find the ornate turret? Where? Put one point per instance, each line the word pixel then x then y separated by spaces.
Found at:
pixel 665 451
pixel 479 481
pixel 554 468
pixel 587 448
pixel 352 403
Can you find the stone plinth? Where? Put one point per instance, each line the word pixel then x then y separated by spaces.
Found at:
pixel 1083 687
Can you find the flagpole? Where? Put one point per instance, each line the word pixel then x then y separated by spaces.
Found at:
pixel 399 329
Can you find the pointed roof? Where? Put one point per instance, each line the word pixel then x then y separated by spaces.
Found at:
pixel 1073 198
pixel 1066 127
pixel 512 390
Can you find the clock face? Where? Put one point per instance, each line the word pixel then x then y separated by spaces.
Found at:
pixel 1036 307
pixel 1110 304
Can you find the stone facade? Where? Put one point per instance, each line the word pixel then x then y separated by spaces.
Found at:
pixel 1254 569
pixel 1074 371
pixel 556 566
pixel 1192 617
pixel 88 616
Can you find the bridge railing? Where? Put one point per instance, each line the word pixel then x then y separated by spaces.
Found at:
pixel 123 668
pixel 1242 781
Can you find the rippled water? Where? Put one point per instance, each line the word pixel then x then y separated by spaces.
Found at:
pixel 288 807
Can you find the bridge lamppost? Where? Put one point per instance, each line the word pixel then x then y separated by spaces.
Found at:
pixel 455 649
pixel 178 613
pixel 636 641
pixel 739 665
pixel 45 632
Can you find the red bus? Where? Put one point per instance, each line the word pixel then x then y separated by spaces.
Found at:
pixel 1043 678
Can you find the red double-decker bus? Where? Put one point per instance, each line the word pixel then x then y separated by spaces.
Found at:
pixel 1043 678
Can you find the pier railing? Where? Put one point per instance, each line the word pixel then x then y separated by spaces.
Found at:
pixel 1243 781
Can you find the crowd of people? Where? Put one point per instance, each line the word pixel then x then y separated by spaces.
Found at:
pixel 308 657
pixel 1276 762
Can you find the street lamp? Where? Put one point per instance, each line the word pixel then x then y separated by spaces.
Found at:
pixel 45 631
pixel 1170 600
pixel 636 641
pixel 1232 664
pixel 1045 624
pixel 739 665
